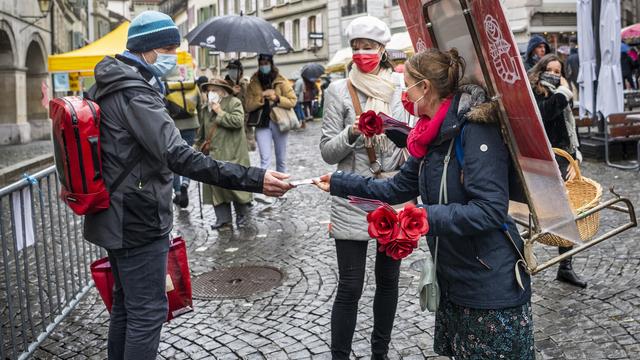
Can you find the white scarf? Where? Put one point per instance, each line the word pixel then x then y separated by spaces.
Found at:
pixel 378 88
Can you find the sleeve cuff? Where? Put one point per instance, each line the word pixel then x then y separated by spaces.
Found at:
pixel 257 174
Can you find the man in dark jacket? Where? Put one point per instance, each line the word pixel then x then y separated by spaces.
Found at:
pixel 537 48
pixel 573 67
pixel 141 149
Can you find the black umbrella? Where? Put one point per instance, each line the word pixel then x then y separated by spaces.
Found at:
pixel 312 71
pixel 238 33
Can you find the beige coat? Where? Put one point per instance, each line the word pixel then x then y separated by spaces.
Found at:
pixel 254 99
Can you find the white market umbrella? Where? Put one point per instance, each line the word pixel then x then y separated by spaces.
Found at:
pixel 339 60
pixel 587 56
pixel 610 87
pixel 400 41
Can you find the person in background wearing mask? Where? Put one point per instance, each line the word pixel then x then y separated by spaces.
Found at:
pixel 141 149
pixel 379 89
pixel 268 89
pixel 553 97
pixel 537 48
pixel 235 76
pixel 298 87
pixel 223 127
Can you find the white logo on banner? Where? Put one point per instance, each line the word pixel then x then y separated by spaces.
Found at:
pixel 499 48
pixel 22 213
pixel 421 46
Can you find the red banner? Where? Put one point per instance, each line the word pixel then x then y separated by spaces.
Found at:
pixel 481 33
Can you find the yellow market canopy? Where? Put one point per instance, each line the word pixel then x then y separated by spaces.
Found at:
pixel 86 58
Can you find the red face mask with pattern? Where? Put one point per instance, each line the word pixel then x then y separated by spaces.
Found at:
pixel 366 60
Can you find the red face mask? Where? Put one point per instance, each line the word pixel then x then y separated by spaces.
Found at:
pixel 366 60
pixel 410 106
pixel 407 104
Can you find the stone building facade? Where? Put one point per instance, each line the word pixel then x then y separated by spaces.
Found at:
pixel 24 45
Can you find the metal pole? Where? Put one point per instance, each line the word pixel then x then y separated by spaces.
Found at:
pixel 53 43
pixel 595 18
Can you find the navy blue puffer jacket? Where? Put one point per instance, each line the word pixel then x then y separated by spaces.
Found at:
pixel 476 260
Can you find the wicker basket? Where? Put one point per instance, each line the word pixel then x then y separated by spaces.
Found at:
pixel 584 194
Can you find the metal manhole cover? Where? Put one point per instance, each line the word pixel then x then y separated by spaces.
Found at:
pixel 235 282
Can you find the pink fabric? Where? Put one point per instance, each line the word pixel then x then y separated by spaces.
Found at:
pixel 426 131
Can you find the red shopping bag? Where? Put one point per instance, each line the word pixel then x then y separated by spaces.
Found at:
pixel 178 283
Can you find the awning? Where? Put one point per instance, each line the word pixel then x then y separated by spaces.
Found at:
pixel 401 41
pixel 86 58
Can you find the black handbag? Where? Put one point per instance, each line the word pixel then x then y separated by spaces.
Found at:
pixel 254 117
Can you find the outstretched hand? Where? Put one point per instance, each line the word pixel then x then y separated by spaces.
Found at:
pixel 274 185
pixel 324 182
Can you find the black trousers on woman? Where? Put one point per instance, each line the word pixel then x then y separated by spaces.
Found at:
pixel 352 259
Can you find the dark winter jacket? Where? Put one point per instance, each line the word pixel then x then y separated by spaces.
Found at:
pixel 529 60
pixel 551 108
pixel 476 260
pixel 573 66
pixel 626 64
pixel 135 125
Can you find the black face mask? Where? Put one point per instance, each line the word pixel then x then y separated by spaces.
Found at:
pixel 551 78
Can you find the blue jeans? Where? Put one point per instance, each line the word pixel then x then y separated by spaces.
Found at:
pixel 189 135
pixel 139 301
pixel 299 112
pixel 264 138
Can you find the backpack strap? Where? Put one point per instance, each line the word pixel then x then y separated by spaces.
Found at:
pixel 459 144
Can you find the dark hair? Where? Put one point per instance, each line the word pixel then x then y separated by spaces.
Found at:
pixel 385 61
pixel 267 80
pixel 541 67
pixel 201 80
pixel 444 69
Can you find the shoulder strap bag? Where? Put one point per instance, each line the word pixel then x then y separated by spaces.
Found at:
pixel 428 288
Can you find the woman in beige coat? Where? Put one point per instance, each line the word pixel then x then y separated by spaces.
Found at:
pixel 222 122
pixel 268 89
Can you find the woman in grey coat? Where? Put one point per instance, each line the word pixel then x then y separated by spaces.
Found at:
pixel 378 88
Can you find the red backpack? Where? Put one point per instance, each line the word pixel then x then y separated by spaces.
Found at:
pixel 76 142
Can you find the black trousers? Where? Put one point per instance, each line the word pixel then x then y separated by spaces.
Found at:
pixel 352 259
pixel 139 301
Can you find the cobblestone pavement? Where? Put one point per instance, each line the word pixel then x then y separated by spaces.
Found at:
pixel 292 321
pixel 12 154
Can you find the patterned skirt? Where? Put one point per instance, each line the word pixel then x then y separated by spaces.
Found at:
pixel 476 334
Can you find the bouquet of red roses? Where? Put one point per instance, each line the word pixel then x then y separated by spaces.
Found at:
pixel 397 232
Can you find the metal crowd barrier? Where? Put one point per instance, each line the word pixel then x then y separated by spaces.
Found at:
pixel 44 263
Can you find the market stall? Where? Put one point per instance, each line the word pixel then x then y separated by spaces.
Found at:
pixel 73 71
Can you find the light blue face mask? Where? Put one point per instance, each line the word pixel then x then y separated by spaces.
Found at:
pixel 164 64
pixel 265 69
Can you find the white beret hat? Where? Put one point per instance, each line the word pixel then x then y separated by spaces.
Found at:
pixel 368 27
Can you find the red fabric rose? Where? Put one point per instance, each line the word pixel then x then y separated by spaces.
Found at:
pixel 399 248
pixel 413 221
pixel 383 224
pixel 370 124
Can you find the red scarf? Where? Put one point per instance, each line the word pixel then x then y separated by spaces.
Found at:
pixel 426 130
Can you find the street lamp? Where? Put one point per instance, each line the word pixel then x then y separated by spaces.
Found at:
pixel 45 6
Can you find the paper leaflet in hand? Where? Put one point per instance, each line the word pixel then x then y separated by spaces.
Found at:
pixel 368 205
pixel 391 123
pixel 396 131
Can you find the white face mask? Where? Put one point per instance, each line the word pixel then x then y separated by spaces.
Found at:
pixel 213 97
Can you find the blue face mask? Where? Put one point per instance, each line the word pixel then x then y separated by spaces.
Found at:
pixel 164 64
pixel 265 69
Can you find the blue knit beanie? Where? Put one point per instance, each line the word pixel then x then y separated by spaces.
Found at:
pixel 152 30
